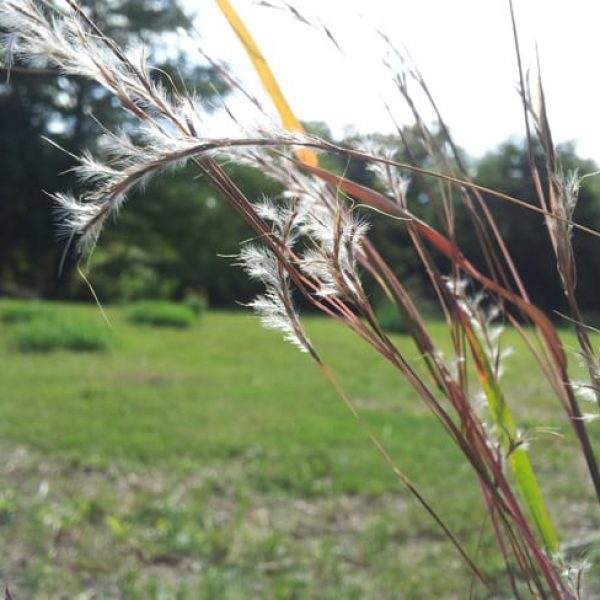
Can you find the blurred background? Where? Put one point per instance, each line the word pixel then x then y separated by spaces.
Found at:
pixel 145 254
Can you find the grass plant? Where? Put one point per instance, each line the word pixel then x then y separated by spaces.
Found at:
pixel 161 314
pixel 55 333
pixel 313 241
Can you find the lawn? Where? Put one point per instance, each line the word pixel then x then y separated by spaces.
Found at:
pixel 215 462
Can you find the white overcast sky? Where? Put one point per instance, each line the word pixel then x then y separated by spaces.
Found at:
pixel 463 48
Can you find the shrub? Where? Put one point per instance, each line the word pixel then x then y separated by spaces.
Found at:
pixel 126 272
pixel 20 311
pixel 389 318
pixel 161 314
pixel 47 334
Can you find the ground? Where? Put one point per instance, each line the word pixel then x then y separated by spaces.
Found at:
pixel 215 462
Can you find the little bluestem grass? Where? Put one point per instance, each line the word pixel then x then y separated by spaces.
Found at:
pixel 313 243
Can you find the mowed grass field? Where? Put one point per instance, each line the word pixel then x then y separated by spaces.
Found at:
pixel 216 462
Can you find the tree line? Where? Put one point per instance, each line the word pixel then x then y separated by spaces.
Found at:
pixel 173 239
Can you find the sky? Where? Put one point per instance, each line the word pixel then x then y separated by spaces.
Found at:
pixel 463 48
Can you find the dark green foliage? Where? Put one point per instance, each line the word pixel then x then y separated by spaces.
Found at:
pixel 161 314
pixel 28 250
pixel 175 239
pixel 124 271
pixel 60 333
pixel 390 318
pixel 43 102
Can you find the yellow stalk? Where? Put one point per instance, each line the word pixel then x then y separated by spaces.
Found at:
pixel 288 118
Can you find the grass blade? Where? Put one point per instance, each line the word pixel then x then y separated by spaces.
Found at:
pixel 288 118
pixel 517 457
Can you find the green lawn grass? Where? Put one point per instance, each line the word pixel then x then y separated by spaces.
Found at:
pixel 216 462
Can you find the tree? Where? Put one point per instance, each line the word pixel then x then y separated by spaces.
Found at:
pixel 177 238
pixel 507 170
pixel 40 102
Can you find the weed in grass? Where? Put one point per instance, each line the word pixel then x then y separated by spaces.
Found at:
pixel 162 314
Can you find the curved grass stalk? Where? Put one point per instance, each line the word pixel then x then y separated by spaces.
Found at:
pixel 507 433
